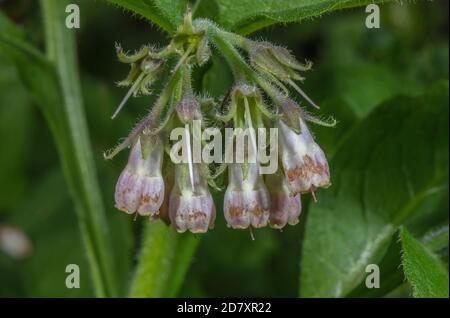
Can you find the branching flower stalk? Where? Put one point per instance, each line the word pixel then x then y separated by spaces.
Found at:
pixel 265 77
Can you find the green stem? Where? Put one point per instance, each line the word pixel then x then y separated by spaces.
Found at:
pixel 61 50
pixel 165 255
pixel 224 41
pixel 163 261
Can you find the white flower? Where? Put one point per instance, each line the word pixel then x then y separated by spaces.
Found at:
pixel 285 207
pixel 191 206
pixel 246 201
pixel 140 187
pixel 304 163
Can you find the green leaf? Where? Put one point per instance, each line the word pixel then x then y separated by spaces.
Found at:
pixel 391 274
pixel 425 272
pixel 15 116
pixel 390 167
pixel 57 94
pixel 167 14
pixel 163 261
pixel 436 241
pixel 248 16
pixel 358 88
pixel 393 277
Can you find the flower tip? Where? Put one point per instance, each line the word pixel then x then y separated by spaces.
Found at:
pixel 123 208
pixel 140 187
pixel 194 213
pixel 285 208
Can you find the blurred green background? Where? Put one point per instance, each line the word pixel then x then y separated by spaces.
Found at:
pixel 353 66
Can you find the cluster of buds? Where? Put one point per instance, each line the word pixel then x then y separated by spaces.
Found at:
pixel 154 185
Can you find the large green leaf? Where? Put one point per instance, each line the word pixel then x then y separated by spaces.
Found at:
pixel 390 167
pixel 425 272
pixel 248 16
pixel 167 14
pixel 240 16
pixel 391 274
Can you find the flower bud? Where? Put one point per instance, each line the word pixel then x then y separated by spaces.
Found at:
pixel 145 68
pixel 285 207
pixel 188 109
pixel 277 61
pixel 304 163
pixel 246 201
pixel 140 187
pixel 191 206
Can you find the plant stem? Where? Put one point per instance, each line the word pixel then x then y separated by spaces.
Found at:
pixel 163 261
pixel 61 50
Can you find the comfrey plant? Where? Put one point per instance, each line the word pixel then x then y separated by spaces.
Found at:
pixel 179 193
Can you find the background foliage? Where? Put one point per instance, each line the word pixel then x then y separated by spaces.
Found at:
pixel 388 205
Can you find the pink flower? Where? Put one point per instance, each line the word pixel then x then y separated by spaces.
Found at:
pixel 304 162
pixel 246 201
pixel 285 207
pixel 191 206
pixel 140 187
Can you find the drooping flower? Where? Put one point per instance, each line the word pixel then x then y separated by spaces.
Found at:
pixel 246 201
pixel 191 206
pixel 285 207
pixel 304 162
pixel 169 179
pixel 140 187
pixel 260 98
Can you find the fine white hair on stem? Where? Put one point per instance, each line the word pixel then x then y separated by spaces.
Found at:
pixel 301 92
pixel 128 95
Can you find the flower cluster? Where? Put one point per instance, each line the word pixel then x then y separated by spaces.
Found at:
pixel 266 77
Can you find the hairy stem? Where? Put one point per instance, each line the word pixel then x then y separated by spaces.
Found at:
pixel 163 261
pixel 61 50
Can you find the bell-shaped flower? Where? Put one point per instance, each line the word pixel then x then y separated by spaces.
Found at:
pixel 246 201
pixel 191 206
pixel 163 215
pixel 304 163
pixel 285 207
pixel 140 187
